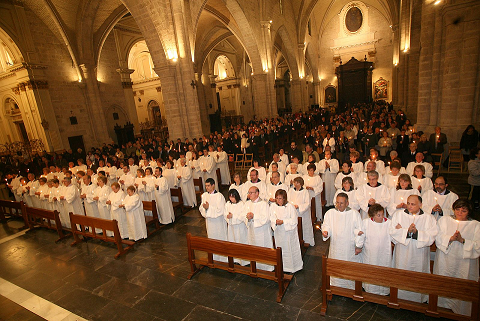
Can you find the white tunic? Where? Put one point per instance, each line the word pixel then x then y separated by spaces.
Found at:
pixel 118 213
pixel 357 169
pixel 286 236
pixel 282 168
pixel 214 220
pixel 397 197
pixel 342 227
pixel 301 198
pixel 141 188
pixel 456 259
pixel 166 214
pixel 362 179
pixel 380 168
pixel 239 188
pixel 259 231
pixel 290 177
pixel 431 198
pixel 377 249
pixel 272 189
pixel 222 163
pixel 341 175
pixel 262 173
pixel 300 169
pixel 428 168
pixel 71 203
pixel 91 206
pixel 269 177
pixel 186 183
pixel 328 176
pixel 170 175
pixel 352 198
pixel 317 184
pixel 237 230
pixel 208 168
pixel 137 229
pixel 390 180
pixel 259 184
pixel 150 187
pixel 425 183
pixel 380 194
pixel 103 209
pixel 412 254
pixel 128 180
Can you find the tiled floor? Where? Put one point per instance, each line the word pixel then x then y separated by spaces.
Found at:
pixel 149 283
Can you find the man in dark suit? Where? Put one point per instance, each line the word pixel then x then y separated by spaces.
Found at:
pixel 409 156
pixel 438 140
pixel 402 142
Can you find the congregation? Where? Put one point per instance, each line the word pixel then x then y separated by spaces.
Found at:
pixel 372 165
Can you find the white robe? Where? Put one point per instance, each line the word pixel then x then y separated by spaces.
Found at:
pixel 397 197
pixel 410 254
pixel 341 175
pixel 431 198
pixel 91 206
pixel 290 177
pixel 150 188
pixel 141 189
pixel 456 259
pixel 317 183
pixel 428 168
pixel 269 177
pixel 425 183
pixel 236 230
pixel 300 169
pixel 286 236
pixel 328 176
pixel 272 189
pixel 127 179
pixel 166 214
pixel 186 183
pixel 208 168
pixel 301 198
pixel 239 188
pixel 42 201
pixel 380 194
pixel 362 179
pixel 214 219
pixel 380 168
pixel 259 231
pixel 222 163
pixel 262 188
pixel 390 180
pixel 71 203
pixel 118 213
pixel 352 198
pixel 357 169
pixel 342 227
pixel 377 249
pixel 262 173
pixel 137 229
pixel 171 175
pixel 103 209
pixel 195 166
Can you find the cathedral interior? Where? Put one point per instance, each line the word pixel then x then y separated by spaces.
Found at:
pixel 73 73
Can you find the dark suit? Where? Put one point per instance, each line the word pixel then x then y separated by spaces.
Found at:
pixel 438 146
pixel 408 157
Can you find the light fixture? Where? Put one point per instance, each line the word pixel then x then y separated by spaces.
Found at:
pixel 79 79
pixel 437 2
pixel 266 69
pixel 271 21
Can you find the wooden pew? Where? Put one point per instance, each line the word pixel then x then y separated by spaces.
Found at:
pixel 219 179
pixel 151 220
pixel 43 218
pixel 105 225
pixel 198 184
pixel 177 192
pixel 12 209
pixel 250 253
pixel 303 246
pixel 395 279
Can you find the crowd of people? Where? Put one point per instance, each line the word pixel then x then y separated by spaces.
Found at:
pixel 374 168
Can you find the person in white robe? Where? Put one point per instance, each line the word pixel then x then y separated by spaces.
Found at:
pixel 149 180
pixel 295 161
pixel 412 231
pixel 144 162
pixel 310 160
pixel 140 184
pixel 14 184
pixel 195 166
pixel 70 197
pixel 458 251
pixel 314 186
pixel 40 192
pixel 208 167
pixel 31 187
pixel 391 177
pixel 127 178
pixel 166 213
pixel 258 223
pixel 111 173
pixel 132 203
pixel 400 194
pixel 292 175
pixel 45 197
pixel 101 196
pixel 90 204
pixel 371 193
pixel 257 182
pixel 80 167
pixel 261 172
pixel 221 159
pixel 235 216
pixel 380 165
pixel 170 174
pixel 419 161
pixel 284 220
pixel 22 191
pixel 328 168
pixel 362 178
pixel 342 224
pixel 419 181
pixel 283 157
pixel 274 185
pixel 348 187
pixel 237 184
pixel 300 199
pixel 439 201
pixel 185 181
pixel 357 167
pixel 375 241
pixel 212 208
pixel 346 171
pixel 281 166
pixel 54 200
pixel 274 169
pixel 131 165
pixel 115 199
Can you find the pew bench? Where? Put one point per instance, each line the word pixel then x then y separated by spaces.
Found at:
pixel 11 209
pixel 231 250
pixel 395 279
pixel 177 193
pixel 82 221
pixel 151 220
pixel 37 217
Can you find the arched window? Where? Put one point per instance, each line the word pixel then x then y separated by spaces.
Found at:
pixel 141 61
pixel 223 68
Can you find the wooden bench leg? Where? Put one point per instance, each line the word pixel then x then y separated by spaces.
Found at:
pixel 323 309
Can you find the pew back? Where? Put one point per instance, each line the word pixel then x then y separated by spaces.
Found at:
pixel 81 222
pixel 12 209
pixel 43 218
pixel 431 284
pixel 151 220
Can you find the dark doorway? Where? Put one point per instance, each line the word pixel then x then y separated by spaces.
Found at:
pixel 22 130
pixel 76 142
pixel 354 82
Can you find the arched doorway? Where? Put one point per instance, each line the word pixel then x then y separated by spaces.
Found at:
pixel 155 113
pixel 13 128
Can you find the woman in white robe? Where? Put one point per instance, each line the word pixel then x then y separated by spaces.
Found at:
pixel 235 216
pixel 348 187
pixel 101 196
pixel 400 194
pixel 300 199
pixel 140 184
pixel 137 229
pixel 150 185
pixel 90 204
pixel 391 177
pixel 314 185
pixel 346 171
pixel 170 174
pixel 111 173
pixel 70 197
pixel 195 166
pixel 419 181
pixel 115 199
pixel 237 184
pixel 292 175
pixel 222 162
pixel 166 214
pixel 54 199
pixel 375 242
pixel 283 220
pixel 357 167
pixel 328 168
pixel 458 251
pixel 185 181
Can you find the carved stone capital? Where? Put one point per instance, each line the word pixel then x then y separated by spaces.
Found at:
pixel 16 90
pixel 127 84
pixel 159 89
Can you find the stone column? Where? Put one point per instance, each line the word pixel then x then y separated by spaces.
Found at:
pixel 129 99
pixel 317 92
pixel 296 91
pixel 263 95
pixel 94 106
pixel 202 102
